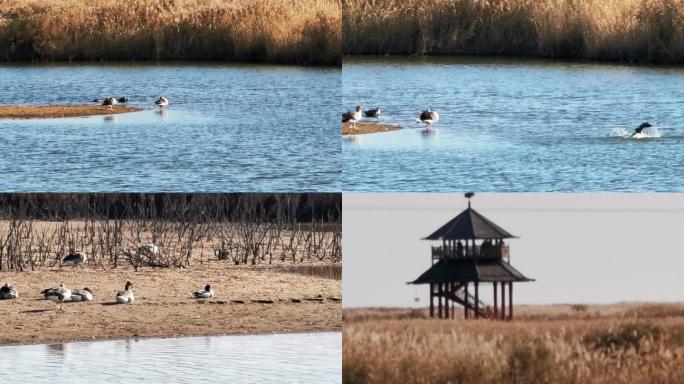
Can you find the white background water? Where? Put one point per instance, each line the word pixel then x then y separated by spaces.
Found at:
pixel 281 358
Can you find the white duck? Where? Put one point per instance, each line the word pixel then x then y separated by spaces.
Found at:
pixel 8 292
pixel 59 295
pixel 85 295
pixel 126 296
pixel 205 293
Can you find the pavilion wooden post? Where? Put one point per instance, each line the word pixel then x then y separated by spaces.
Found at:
pixel 510 300
pixel 432 300
pixel 496 305
pixel 446 302
pixel 439 299
pixel 465 307
pixel 503 301
pixel 477 299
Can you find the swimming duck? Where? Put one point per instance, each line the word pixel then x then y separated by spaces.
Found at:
pixel 85 295
pixel 352 116
pixel 75 259
pixel 206 293
pixel 122 99
pixel 428 117
pixel 59 294
pixel 8 292
pixel 638 132
pixel 161 102
pixel 126 296
pixel 374 112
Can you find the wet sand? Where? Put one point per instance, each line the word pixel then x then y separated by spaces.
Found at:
pixel 365 128
pixel 51 111
pixel 163 305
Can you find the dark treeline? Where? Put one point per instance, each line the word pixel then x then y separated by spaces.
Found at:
pixel 301 207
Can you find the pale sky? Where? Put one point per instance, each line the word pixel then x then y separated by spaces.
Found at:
pixel 580 247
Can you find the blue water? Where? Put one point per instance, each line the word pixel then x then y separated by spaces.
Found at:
pixel 512 125
pixel 289 358
pixel 228 128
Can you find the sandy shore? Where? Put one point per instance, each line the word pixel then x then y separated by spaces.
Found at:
pixel 163 307
pixel 364 128
pixel 50 111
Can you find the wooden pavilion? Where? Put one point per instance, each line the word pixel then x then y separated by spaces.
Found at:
pixel 473 251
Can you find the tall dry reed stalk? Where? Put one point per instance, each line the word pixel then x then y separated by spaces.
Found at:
pixel 614 30
pixel 606 350
pixel 278 31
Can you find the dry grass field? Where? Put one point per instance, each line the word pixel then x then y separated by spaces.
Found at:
pixel 621 343
pixel 615 30
pixel 278 31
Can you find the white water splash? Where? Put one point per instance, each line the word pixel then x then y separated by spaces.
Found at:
pixel 648 133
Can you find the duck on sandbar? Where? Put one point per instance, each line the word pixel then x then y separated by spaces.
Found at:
pixel 126 296
pixel 373 112
pixel 352 117
pixel 59 295
pixel 205 293
pixel 85 295
pixel 109 102
pixel 8 292
pixel 122 99
pixel 75 259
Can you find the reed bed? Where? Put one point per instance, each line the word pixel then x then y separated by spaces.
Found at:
pixel 612 348
pixel 325 271
pixel 275 31
pixel 611 30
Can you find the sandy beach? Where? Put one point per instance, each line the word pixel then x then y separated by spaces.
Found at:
pixel 365 128
pixel 163 305
pixel 51 111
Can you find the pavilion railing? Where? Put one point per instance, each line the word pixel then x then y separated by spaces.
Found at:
pixel 493 251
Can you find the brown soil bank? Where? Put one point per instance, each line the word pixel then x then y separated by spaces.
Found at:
pixel 623 343
pixel 163 306
pixel 624 31
pixel 274 31
pixel 47 111
pixel 363 128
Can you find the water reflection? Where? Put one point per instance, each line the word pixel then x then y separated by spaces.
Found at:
pixel 302 358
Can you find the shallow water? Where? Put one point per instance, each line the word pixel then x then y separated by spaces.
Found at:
pixel 512 125
pixel 285 358
pixel 228 128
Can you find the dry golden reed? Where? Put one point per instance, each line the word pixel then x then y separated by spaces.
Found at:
pixel 277 31
pixel 628 343
pixel 615 30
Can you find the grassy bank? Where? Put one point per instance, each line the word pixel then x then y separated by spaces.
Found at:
pixel 48 111
pixel 276 31
pixel 611 30
pixel 631 343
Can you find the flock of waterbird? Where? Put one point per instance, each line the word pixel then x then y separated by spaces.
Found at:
pixel 161 102
pixel 62 294
pixel 427 117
